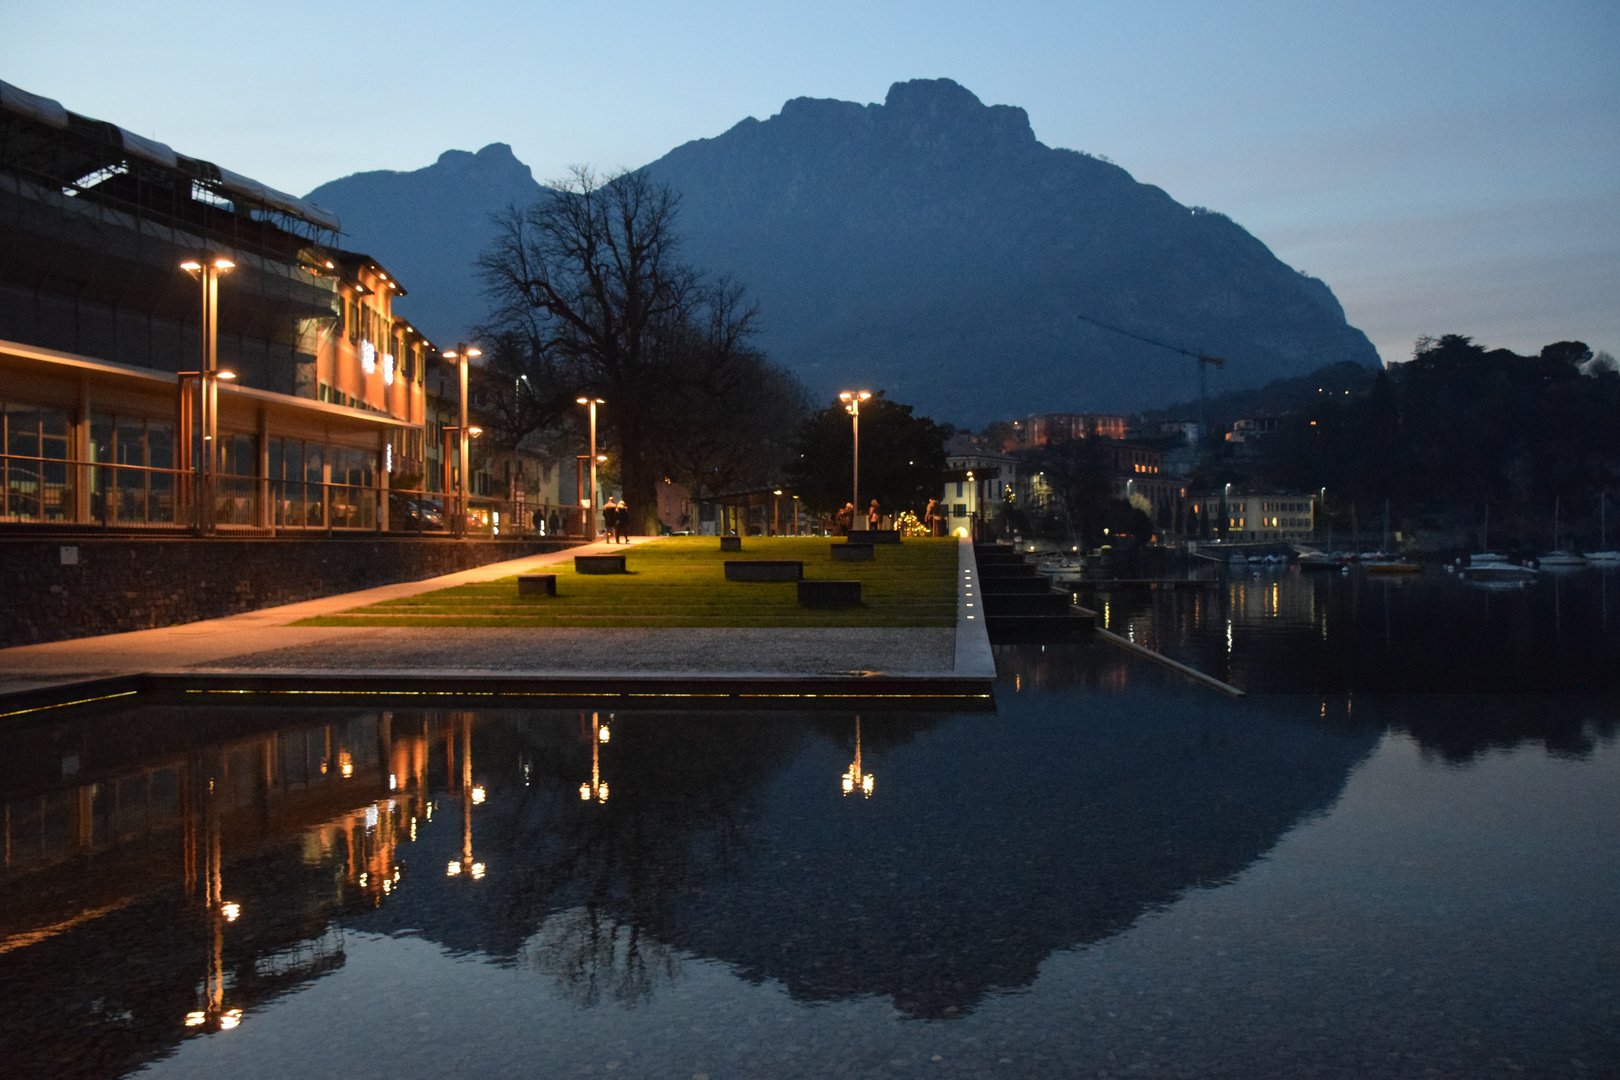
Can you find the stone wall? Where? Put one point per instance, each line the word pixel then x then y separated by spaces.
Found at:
pixel 56 589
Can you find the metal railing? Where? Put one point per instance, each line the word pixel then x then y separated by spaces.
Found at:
pixel 53 493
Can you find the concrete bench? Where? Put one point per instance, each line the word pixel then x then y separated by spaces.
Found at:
pixel 852 551
pixel 829 594
pixel 537 584
pixel 764 570
pixel 599 564
pixel 874 536
pixel 731 543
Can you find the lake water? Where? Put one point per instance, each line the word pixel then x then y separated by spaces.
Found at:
pixel 1120 872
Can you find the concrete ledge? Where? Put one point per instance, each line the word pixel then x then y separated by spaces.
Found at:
pixel 973 654
pixel 829 594
pixel 851 552
pixel 874 536
pixel 538 584
pixel 450 689
pixel 731 543
pixel 599 564
pixel 764 570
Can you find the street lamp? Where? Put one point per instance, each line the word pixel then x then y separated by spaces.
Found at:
pixel 473 431
pixel 461 354
pixel 592 403
pixel 208 272
pixel 852 404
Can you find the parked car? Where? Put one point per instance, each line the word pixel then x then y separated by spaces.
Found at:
pixel 422 514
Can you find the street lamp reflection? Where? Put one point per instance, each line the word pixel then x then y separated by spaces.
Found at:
pixel 597 788
pixel 853 777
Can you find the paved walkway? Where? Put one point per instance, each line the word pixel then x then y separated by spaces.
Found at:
pixel 266 641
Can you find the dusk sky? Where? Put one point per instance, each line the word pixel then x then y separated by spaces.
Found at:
pixel 1443 166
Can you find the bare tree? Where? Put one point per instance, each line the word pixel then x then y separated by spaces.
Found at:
pixel 589 297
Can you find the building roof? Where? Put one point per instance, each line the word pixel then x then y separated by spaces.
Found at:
pixel 103 151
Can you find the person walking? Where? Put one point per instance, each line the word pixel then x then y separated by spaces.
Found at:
pixel 845 520
pixel 874 516
pixel 621 523
pixel 610 513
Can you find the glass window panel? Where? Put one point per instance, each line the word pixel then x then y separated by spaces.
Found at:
pixel 55 434
pixel 22 430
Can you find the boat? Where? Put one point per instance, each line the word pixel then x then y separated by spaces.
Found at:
pixel 1062 568
pixel 1320 560
pixel 1501 571
pixel 1392 564
pixel 1607 555
pixel 1558 558
pixel 1488 557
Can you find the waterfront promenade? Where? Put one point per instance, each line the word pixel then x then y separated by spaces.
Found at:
pixel 269 648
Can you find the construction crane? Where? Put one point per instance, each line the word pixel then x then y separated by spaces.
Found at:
pixel 1204 363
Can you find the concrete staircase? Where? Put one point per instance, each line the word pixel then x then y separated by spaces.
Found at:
pixel 1021 605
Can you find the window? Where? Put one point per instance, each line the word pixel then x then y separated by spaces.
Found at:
pixel 38 481
pixel 134 488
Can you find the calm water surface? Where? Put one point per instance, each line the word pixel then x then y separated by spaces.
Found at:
pixel 1119 873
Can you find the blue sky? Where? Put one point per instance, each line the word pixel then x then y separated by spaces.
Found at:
pixel 1443 166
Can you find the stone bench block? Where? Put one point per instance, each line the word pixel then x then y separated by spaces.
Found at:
pixel 852 552
pixel 537 584
pixel 731 543
pixel 874 536
pixel 764 570
pixel 599 564
pixel 829 594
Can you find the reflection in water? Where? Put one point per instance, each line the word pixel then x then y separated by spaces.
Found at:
pixel 1281 630
pixel 854 778
pixel 168 879
pixel 596 788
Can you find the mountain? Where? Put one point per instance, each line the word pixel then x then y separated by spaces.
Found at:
pixel 428 228
pixel 929 246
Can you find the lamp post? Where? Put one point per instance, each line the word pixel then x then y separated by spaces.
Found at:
pixel 472 431
pixel 592 403
pixel 208 272
pixel 461 354
pixel 852 404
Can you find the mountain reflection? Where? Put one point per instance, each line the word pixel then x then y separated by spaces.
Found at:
pixel 163 883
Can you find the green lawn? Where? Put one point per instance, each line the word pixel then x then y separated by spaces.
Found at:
pixel 680 581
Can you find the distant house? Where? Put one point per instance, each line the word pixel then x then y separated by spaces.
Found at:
pixel 1252 429
pixel 978 482
pixel 1255 516
pixel 1056 427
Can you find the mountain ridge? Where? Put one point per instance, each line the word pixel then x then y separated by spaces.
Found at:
pixel 931 246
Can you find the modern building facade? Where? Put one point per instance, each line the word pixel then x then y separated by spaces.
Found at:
pixel 320 389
